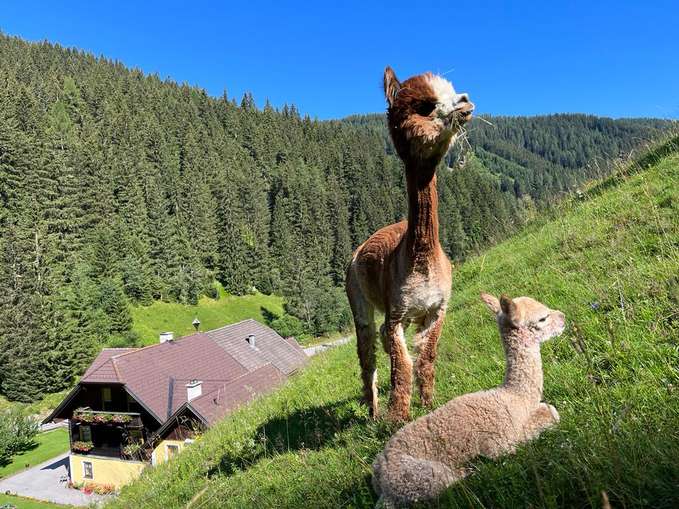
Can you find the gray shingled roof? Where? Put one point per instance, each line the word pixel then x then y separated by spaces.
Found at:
pixel 269 346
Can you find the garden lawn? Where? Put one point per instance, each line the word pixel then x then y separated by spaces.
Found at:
pixel 49 445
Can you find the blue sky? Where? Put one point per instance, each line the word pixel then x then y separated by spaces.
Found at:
pixel 514 58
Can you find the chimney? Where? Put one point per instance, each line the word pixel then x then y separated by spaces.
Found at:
pixel 193 389
pixel 166 336
pixel 251 340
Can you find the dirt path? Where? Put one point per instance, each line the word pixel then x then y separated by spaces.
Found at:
pixel 316 349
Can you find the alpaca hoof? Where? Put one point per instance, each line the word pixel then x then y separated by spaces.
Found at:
pixel 373 408
pixel 427 401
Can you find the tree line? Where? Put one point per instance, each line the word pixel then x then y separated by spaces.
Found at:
pixel 119 188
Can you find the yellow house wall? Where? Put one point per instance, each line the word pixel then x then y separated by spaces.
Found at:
pixel 105 470
pixel 160 452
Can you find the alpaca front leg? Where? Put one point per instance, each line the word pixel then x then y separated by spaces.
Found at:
pixel 543 417
pixel 426 342
pixel 401 373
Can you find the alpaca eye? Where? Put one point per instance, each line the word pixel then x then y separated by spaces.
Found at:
pixel 543 319
pixel 425 108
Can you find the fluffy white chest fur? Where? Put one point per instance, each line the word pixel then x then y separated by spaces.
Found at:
pixel 423 294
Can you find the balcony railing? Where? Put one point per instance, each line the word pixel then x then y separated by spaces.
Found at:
pixel 107 434
pixel 94 417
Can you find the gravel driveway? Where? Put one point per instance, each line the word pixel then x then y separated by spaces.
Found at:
pixel 43 482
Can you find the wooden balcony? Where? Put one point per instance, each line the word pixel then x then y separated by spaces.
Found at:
pixel 107 434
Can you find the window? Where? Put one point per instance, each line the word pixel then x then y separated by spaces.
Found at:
pixel 106 398
pixel 87 470
pixel 171 451
pixel 85 433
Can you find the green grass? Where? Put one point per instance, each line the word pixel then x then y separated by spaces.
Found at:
pixel 610 262
pixel 49 445
pixel 28 503
pixel 149 321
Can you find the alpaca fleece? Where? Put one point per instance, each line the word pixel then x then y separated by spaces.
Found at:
pixel 401 270
pixel 430 454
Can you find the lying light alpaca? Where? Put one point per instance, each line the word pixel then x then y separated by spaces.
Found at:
pixel 425 457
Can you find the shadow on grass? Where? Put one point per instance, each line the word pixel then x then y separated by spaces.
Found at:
pixel 268 315
pixel 359 494
pixel 7 460
pixel 305 429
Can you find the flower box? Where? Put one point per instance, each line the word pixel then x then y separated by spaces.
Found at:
pixel 83 447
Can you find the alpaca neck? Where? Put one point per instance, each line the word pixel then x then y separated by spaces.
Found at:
pixel 422 236
pixel 524 364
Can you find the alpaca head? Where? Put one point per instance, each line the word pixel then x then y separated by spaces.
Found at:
pixel 541 322
pixel 425 115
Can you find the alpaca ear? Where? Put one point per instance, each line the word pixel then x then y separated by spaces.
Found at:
pixel 391 85
pixel 492 302
pixel 510 309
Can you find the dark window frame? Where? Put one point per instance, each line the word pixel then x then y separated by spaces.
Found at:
pixel 88 470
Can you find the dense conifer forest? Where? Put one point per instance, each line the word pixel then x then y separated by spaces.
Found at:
pixel 119 188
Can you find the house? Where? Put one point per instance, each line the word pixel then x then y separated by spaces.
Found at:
pixel 139 406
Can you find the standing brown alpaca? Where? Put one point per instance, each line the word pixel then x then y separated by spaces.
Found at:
pixel 401 270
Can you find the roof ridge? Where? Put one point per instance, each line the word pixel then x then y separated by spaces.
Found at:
pixel 235 323
pixel 148 347
pixel 115 367
pixel 101 366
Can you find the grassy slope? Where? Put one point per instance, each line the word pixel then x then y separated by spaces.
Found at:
pixel 49 445
pixel 27 503
pixel 151 320
pixel 611 263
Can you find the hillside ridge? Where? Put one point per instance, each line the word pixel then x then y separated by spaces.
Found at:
pixel 608 258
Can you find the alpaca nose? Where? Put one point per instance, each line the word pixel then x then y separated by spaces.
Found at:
pixel 463 104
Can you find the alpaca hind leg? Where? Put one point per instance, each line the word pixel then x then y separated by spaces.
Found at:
pixel 401 372
pixel 426 343
pixel 543 417
pixel 364 321
pixel 366 344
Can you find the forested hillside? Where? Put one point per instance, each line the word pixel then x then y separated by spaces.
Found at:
pixel 120 188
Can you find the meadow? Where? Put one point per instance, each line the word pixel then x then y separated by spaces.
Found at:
pixel 149 321
pixel 609 259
